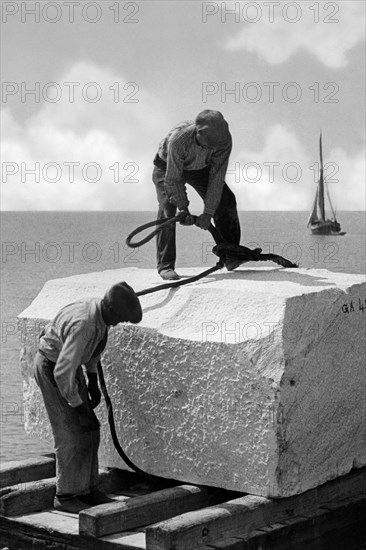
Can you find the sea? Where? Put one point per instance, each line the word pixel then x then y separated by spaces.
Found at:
pixel 38 246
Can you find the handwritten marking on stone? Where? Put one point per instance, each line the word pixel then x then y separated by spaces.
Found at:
pixel 351 307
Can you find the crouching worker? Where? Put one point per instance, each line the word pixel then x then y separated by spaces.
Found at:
pixel 77 336
pixel 194 152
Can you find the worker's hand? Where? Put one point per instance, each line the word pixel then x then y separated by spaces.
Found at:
pixel 185 217
pixel 169 209
pixel 203 221
pixel 88 420
pixel 93 390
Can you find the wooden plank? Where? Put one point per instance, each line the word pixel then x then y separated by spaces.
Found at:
pixel 42 467
pixel 28 497
pixel 32 469
pixel 230 544
pixel 68 525
pixel 344 503
pixel 343 528
pixel 207 526
pixel 271 528
pixel 240 516
pixel 55 520
pixel 143 510
pixel 35 496
pixel 30 532
pixel 126 540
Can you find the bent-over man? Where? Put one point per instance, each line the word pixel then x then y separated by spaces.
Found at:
pixel 195 152
pixel 77 336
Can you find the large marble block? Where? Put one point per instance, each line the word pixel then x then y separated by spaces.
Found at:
pixel 252 380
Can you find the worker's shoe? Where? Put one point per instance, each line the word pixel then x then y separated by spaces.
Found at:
pixel 71 504
pixel 95 497
pixel 169 274
pixel 232 264
pixel 232 261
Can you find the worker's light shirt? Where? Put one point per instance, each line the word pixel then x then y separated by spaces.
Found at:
pixel 181 151
pixel 70 340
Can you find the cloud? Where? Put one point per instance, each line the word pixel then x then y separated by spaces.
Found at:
pixel 283 175
pixel 97 136
pixel 340 26
pixel 126 135
pixel 348 193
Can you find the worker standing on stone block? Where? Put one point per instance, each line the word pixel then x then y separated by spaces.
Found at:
pixel 195 152
pixel 77 336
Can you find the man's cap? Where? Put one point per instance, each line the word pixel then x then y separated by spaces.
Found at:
pixel 124 301
pixel 213 126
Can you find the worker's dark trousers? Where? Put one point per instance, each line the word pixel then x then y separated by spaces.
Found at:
pixel 76 449
pixel 226 216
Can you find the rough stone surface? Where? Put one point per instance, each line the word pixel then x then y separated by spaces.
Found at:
pixel 252 380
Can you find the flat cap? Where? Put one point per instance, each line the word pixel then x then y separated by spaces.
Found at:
pixel 124 302
pixel 213 126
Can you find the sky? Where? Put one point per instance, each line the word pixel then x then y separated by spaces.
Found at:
pixel 90 88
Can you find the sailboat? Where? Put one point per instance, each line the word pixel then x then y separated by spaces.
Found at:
pixel 317 222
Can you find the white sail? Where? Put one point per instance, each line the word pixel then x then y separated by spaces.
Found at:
pixel 330 202
pixel 314 212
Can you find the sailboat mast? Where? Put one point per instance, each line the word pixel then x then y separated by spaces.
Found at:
pixel 321 181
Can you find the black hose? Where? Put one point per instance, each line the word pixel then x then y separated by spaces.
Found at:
pixel 182 282
pixel 162 223
pixel 230 255
pixel 112 427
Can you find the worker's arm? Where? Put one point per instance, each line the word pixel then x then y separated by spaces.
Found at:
pixel 174 184
pixel 216 179
pixel 92 374
pixel 69 359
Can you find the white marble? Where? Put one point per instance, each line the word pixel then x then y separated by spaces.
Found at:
pixel 252 380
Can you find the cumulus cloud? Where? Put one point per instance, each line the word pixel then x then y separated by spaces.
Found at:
pixel 125 136
pixel 348 193
pixel 327 30
pixel 283 175
pixel 95 137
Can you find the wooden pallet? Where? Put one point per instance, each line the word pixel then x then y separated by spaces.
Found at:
pixel 175 516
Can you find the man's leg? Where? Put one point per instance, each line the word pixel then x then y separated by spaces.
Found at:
pixel 94 467
pixel 76 449
pixel 165 239
pixel 198 179
pixel 94 438
pixel 94 496
pixel 226 217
